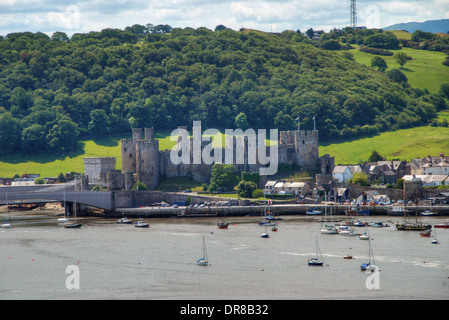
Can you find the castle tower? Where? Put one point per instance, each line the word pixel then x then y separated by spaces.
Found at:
pixel 147 159
pixel 306 145
pixel 299 147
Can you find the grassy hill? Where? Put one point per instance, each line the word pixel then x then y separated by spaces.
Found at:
pixel 319 82
pixel 404 144
pixel 425 71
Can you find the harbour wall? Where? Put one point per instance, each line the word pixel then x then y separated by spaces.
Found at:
pixel 142 204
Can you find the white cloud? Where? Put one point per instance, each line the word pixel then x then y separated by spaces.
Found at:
pixel 53 15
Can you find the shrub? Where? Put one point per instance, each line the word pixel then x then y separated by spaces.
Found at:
pixel 377 51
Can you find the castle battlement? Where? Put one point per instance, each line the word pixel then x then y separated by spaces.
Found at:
pixel 141 156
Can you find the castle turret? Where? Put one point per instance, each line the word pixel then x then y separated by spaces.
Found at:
pixel 147 160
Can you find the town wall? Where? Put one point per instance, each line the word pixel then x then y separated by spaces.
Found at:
pixel 94 167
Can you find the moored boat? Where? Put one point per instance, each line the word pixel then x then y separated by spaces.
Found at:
pixel 371 265
pixel 318 261
pixel 378 225
pixel 413 227
pixel 425 233
pixel 314 212
pixel 222 225
pixel 72 225
pixel 398 211
pixel 124 220
pixel 442 225
pixel 329 230
pixel 141 224
pixel 364 237
pixel 359 223
pixel 6 225
pixel 203 262
pixel 428 213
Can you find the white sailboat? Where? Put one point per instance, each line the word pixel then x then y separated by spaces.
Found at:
pixel 371 265
pixel 318 261
pixel 64 219
pixel 327 229
pixel 265 234
pixel 204 260
pixel 435 241
pixel 73 224
pixel 7 224
pixel 364 236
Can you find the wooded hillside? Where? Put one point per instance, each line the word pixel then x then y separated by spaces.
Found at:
pixel 54 89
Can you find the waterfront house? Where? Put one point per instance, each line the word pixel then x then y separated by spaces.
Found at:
pixel 368 197
pixel 342 173
pixel 429 180
pixel 293 188
pixel 429 165
pixel 339 195
pixel 285 187
pixel 269 187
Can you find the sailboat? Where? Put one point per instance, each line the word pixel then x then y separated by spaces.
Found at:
pixel 73 224
pixel 265 234
pixel 370 266
pixel 318 261
pixel 328 229
pixel 364 236
pixel 64 219
pixel 267 217
pixel 407 226
pixel 435 241
pixel 203 261
pixel 7 224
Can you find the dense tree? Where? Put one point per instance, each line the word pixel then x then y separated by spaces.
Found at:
pixel 33 138
pixel 360 178
pixel 10 133
pixel 419 36
pixel 379 63
pixel 245 189
pixel 99 122
pixel 397 76
pixel 385 40
pixel 153 75
pixel 241 121
pixel 444 90
pixel 224 176
pixel 375 156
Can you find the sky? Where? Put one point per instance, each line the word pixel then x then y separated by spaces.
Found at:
pixel 82 16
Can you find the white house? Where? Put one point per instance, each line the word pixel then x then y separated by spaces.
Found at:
pixel 342 173
pixel 372 196
pixel 432 180
pixel 284 187
pixel 441 168
pixel 269 187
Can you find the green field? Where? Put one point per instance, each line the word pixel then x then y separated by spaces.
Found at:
pixel 404 144
pixel 425 71
pixel 50 165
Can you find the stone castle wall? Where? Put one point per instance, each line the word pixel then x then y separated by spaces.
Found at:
pixel 94 167
pixel 141 155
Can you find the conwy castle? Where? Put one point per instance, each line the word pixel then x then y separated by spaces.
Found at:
pixel 142 161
